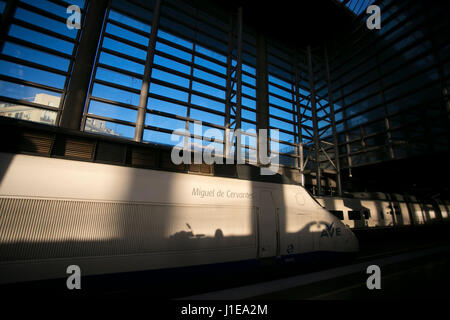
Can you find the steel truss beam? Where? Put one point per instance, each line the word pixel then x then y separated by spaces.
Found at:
pixel 331 118
pixel 301 163
pixel 315 122
pixel 234 87
pixel 262 93
pixel 323 153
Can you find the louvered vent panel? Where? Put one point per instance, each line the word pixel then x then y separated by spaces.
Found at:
pixel 166 163
pixel 80 149
pixel 201 168
pixel 36 142
pixel 43 229
pixel 144 158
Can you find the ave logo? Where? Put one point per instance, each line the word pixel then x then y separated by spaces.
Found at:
pixel 330 231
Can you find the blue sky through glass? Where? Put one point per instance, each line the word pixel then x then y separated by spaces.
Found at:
pixel 115 91
pixel 358 6
pixel 22 66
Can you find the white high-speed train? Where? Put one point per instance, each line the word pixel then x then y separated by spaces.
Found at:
pixel 376 209
pixel 109 219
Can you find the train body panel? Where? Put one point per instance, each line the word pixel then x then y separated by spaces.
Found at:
pixel 387 211
pixel 445 212
pixel 107 219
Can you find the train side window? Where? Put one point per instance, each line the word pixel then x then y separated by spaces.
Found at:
pixel 354 215
pixel 366 214
pixel 338 214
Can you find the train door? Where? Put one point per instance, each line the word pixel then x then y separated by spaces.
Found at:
pixel 268 226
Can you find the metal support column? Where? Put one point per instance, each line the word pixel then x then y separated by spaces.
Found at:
pixel 347 138
pixel 230 92
pixel 77 90
pixel 143 99
pixel 315 122
pixel 387 122
pixel 238 83
pixel 187 140
pixel 348 149
pixel 298 123
pixel 333 123
pixel 7 17
pixel 262 96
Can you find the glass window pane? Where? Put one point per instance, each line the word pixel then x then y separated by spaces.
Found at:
pixel 111 111
pixel 124 48
pixel 31 74
pixel 279 81
pixel 280 113
pixel 36 56
pixel 109 128
pixel 175 39
pixel 17 111
pixel 249 115
pixel 208 103
pixel 168 107
pixel 44 22
pixel 279 102
pixel 164 122
pixel 250 103
pixel 58 10
pixel 41 39
pixel 168 92
pixel 36 95
pixel 249 91
pixel 285 137
pixel 248 80
pixel 210 65
pixel 114 94
pixel 207 117
pixel 173 52
pixel 209 90
pixel 247 140
pixel 202 129
pixel 114 15
pixel 118 78
pixel 121 63
pixel 284 93
pixel 209 77
pixel 170 78
pixel 126 34
pixel 281 125
pixel 163 138
pixel 172 64
pixel 211 54
pixel 248 126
